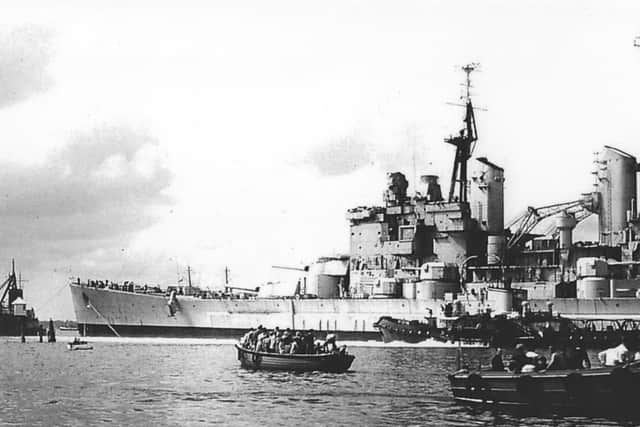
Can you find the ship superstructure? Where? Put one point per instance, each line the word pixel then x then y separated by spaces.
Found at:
pixel 418 246
pixel 533 257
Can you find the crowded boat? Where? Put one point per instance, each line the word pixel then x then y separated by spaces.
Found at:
pixel 571 355
pixel 287 341
pixel 278 349
pixel 564 377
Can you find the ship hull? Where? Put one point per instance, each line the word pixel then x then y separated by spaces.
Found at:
pixel 100 312
pixel 15 326
pixel 96 330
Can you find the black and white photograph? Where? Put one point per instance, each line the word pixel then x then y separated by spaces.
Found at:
pixel 337 213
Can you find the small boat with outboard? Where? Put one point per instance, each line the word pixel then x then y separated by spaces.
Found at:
pixel 327 362
pixel 410 331
pixel 606 388
pixel 78 344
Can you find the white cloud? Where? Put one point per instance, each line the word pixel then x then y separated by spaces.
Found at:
pixel 25 53
pixel 111 168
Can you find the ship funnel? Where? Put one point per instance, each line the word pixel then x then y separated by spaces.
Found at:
pixel 396 192
pixel 565 224
pixel 431 188
pixel 617 194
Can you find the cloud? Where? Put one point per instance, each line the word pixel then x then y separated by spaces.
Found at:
pixel 93 194
pixel 25 54
pixel 394 151
pixel 340 157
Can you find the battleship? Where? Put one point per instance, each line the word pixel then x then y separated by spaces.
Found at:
pixel 417 256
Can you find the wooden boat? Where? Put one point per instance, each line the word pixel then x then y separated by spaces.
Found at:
pixel 79 345
pixel 614 388
pixel 331 362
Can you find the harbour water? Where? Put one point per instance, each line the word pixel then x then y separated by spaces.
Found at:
pixel 156 382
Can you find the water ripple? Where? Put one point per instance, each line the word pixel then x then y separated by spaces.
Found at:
pixel 156 384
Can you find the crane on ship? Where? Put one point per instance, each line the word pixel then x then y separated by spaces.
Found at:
pixel 525 223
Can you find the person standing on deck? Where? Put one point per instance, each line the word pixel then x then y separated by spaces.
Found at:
pixel 577 357
pixel 519 358
pixel 557 360
pixel 496 362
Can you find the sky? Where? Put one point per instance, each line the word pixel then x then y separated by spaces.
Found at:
pixel 141 137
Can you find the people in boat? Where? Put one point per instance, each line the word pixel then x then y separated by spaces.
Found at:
pixel 308 342
pixel 496 361
pixel 577 357
pixel 255 334
pixel 288 342
pixel 532 362
pixel 247 339
pixel 285 342
pixel 557 359
pixel 519 358
pixel 548 334
pixel 329 345
pixel 262 343
pixel 616 355
pixel 540 363
pixel 296 344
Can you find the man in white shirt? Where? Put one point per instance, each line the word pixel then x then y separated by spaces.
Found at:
pixel 615 356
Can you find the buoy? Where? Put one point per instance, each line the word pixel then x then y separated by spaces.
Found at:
pixel 51 333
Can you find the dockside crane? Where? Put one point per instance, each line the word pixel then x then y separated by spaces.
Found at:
pixel 9 284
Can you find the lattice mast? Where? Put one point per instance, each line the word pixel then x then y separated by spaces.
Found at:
pixel 464 143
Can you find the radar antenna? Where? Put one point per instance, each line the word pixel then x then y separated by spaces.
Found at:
pixel 464 142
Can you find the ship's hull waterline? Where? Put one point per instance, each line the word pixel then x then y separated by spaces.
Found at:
pixel 101 311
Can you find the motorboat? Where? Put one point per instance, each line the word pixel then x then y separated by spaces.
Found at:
pixel 410 331
pixel 78 344
pixel 612 388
